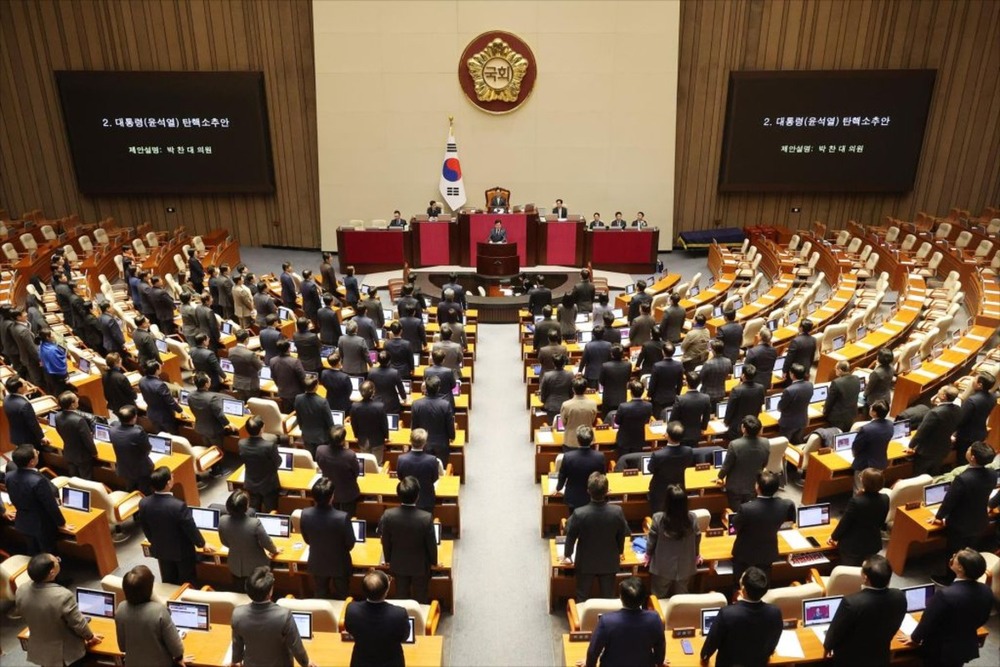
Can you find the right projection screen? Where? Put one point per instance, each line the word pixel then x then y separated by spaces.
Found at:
pixel 824 131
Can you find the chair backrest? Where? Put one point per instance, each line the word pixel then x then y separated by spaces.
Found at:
pixel 993 227
pixel 908 242
pixel 805 249
pixel 48 233
pixel 139 247
pixel 934 261
pixel 892 235
pixel 70 253
pixel 267 410
pixel 151 240
pixel 9 252
pixel 558 463
pixel 705 310
pixel 703 517
pixel 371 463
pixel 696 280
pixel 221 603
pixel 198 243
pixel 751 329
pixel 793 243
pixel 684 610
pixel 813 442
pixel 777 456
pixel 660 300
pixel 590 611
pixel 497 190
pixel 326 614
pixel 844 580
pixel 843 236
pixel 379 224
pixel 179 263
pixel 301 458
pixel 419 612
pixel 854 245
pixel 789 598
pixel 813 260
pixel 963 240
pixel 120 263
pixel 100 497
pixel 984 248
pixel 101 236
pixel 943 230
pixel 86 245
pixel 179 443
pixel 181 350
pixel 923 250
pixel 904 491
pixel 830 333
pixel 28 242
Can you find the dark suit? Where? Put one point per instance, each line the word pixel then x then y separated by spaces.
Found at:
pixel 541 337
pixel 763 357
pixel 559 212
pixel 498 235
pixel 269 338
pixel 264 304
pixel 330 537
pixel 731 335
pixel 368 420
pixel 614 379
pixel 859 532
pixel 932 441
pixel 632 417
pixel 667 467
pixel 601 530
pixel 413 330
pixel 310 298
pixel 172 534
pixel 595 354
pixel 145 346
pixel 340 465
pixel 693 410
pixel 745 634
pixel 338 389
pixel 265 635
pixel 287 290
pixel 976 411
pixel 260 475
pixel 351 290
pixel 539 297
pixel 189 322
pixel 435 415
pixel 208 324
pixel 802 350
pixel 879 385
pixel 378 628
pixel 745 458
pixel 584 293
pixel 947 630
pixel 425 468
pixel 307 349
pixel 131 445
pixel 388 388
pixel 746 399
pixel 556 388
pixel 246 371
pixel 197 273
pixel 665 384
pixel 714 374
pixel 38 517
pixel 841 407
pixel 163 305
pixel 206 361
pixel 794 409
pixel 329 276
pixel 409 548
pixel 209 418
pixel 400 356
pixel 871 445
pixel 353 354
pixel 637 300
pixel 964 507
pixel 315 420
pixel 757 525
pixel 118 390
pixel 161 407
pixel 290 378
pixel 330 330
pixel 111 334
pixel 628 637
pixel 649 355
pixel 447 379
pixel 864 625
pixel 22 421
pixel 672 324
pixel 576 468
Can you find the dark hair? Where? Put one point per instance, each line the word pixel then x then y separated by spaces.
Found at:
pixel 283 346
pixel 260 583
pixel 201 380
pixel 730 315
pixel 432 385
pixel 872 480
pixel 137 584
pixel 151 367
pixel 367 389
pixel 699 319
pixel 375 585
pixel 322 491
pixel 302 324
pixel 408 490
pixel 237 503
pixel 876 568
pixel 242 335
pixel 807 326
pixel 694 380
pixel 23 455
pixel 749 372
pixel 127 413
pixel 159 478
pixel 255 425
pixel 981 452
pixel 14 384
pixel 675 522
pixel 66 400
pixel 584 435
pixel 632 593
pixel 752 425
pixel 675 431
pixel 635 388
pixel 310 383
pixel 554 336
pixel 880 408
pixel 717 347
pixel 40 566
pixel 768 483
pixel 754 583
pixel 668 349
pixel 579 385
pixel 597 486
pixel 798 371
pixel 972 562
pixel 616 352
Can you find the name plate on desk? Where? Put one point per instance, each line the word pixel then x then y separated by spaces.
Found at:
pixel 702 466
pixel 824 450
pixel 789 624
pixel 579 636
pixel 681 633
pixel 913 504
pixel 346 636
pixel 393 474
pixel 602 427
pixel 715 532
pixel 631 472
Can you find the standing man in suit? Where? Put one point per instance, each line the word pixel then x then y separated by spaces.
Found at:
pixel 246 367
pixel 242 301
pixel 549 352
pixel 330 329
pixel 337 384
pixel 168 525
pixel 264 304
pixel 539 296
pixel 445 375
pixel 947 630
pixel 310 296
pixel 339 464
pixel 423 467
pixel 584 292
pixel 163 306
pixel 407 303
pixel 601 529
pixel 400 351
pixel 408 542
pixel 577 467
pixel 161 407
pixel 747 632
pixel 288 375
pixel 665 381
pixel 763 356
pixel 731 335
pixel 543 329
pixel 672 322
pixel 976 411
pixel 757 524
pixel 638 298
pixel 307 346
pixel 313 412
pixel 578 411
pixel 695 345
pixel 388 384
pixel 206 361
pixel 146 301
pixel 802 350
pixel 38 516
pixel 378 627
pixel 434 414
pixel 794 405
pixel 330 537
pixel 631 418
pixel 452 351
pixel 118 388
pixel 858 534
pixel 746 400
pixel 595 353
pixel 60 634
pixel 196 270
pixel 458 292
pixel 667 466
pixel 841 407
pixel 244 535
pixel 632 636
pixel 716 372
pixel 208 321
pixel 287 286
pixel 931 443
pixel 22 422
pixel 131 444
pixel 559 211
pixel 871 444
pixel 368 420
pixel 259 454
pixel 189 318
pixel 693 410
pixel 210 420
pixel 866 621
pixel 614 377
pixel 269 337
pixel 145 342
pixel 353 351
pixel 745 458
pixel 641 329
pixel 328 273
pixel 265 634
pixel 111 332
pixel 963 511
pixel 352 290
pixel 556 388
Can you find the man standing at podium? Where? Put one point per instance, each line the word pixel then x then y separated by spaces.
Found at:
pixel 499 234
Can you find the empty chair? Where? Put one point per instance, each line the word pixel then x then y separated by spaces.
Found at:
pixel 751 329
pixel 908 242
pixel 10 253
pixel 220 603
pixel 152 240
pixel 179 263
pixel 843 580
pixel 180 349
pixel 931 269
pixel 793 243
pixel 139 247
pixel 830 333
pixel 327 615
pixel 662 300
pixel 120 264
pixel 48 233
pixel 274 421
pixel 204 457
pixel 843 236
pixel 703 517
pixel 70 253
pixel 806 271
pixel 983 249
pixel 854 246
pixel 696 280
pixel 904 491
pixel 948 288
pixel 993 227
pixel 357 224
pixel 865 253
pixel 28 243
pixel 379 224
pixel 920 257
pixel 13 573
pixel 101 236
pixel 868 270
pixel 943 231
pixel 425 616
pixel 86 245
pixel 789 598
pixel 371 463
pixel 199 244
pixel 776 458
pixel 892 235
pixel 583 616
pixel 684 610
pixel 963 240
pixel 118 506
pixel 161 591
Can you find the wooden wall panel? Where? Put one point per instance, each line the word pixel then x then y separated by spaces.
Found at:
pixel 960 161
pixel 272 36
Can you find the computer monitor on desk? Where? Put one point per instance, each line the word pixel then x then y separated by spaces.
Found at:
pixel 75 499
pixel 233 408
pixel 100 604
pixel 917 597
pixel 161 445
pixel 265 373
pixel 901 429
pixel 720 409
pixel 287 458
pixel 161 345
pixel 285 313
pixel 707 619
pixel 934 493
pixel 189 615
pixel 844 441
pixel 779 364
pixel 227 365
pixel 276 525
pixel 303 623
pixel 102 433
pixel 810 516
pixel 718 457
pixel 205 518
pixel 820 393
pixel 771 402
pixel 820 611
pixel 338 417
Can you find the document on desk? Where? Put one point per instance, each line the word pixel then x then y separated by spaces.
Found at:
pixel 553 483
pixel 795 539
pixel 847 455
pixel 544 438
pixel 820 632
pixel 717 426
pixel 789 645
pixel 658 429
pixel 908 625
pixel 561 550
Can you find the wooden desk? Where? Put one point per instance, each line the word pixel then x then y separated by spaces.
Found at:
pixel 562 576
pixel 830 474
pixel 759 308
pixel 912 534
pixel 89 539
pixel 664 284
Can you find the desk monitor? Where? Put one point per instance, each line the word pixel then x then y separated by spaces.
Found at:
pixel 560 424
pixel 844 442
pixel 771 402
pixel 304 623
pixel 707 618
pixel 717 311
pixel 102 433
pixel 820 611
pixel 184 396
pixel 752 296
pixel 287 458
pixel 189 615
pixel 360 528
pixel 161 345
pixel 860 332
pixel 737 303
pixel 407 387
pixel 361 467
pixel 779 364
pixel 366 289
pixel 694 291
pixel 877 320
pixel 934 493
pixel 411 638
pixel 75 499
pixel 917 597
pixel 585 336
pixel 937 350
pixel 83 365
pixel 914 362
pixel 205 518
pixel 838 342
pixel 624 334
pixel 326 350
pixel 226 328
pixel 232 407
pixel 618 313
pixel 861 380
pixel 793 317
pixel 265 373
pixel 666 415
pixel 718 457
pixel 820 393
pixel 393 422
pixel 51 418
pixel 276 525
pixel 772 325
pixel 380 334
pixel 813 515
pixel 355 383
pixel 226 365
pixel 160 445
pixel 720 409
pixel 644 465
pixel 373 356
pixel 582 318
pixel 901 429
pixel 95 603
pixel 338 417
pixel 387 314
pixel 731 523
pixel 536 369
pixel 738 370
pixel 630 289
pixel 285 313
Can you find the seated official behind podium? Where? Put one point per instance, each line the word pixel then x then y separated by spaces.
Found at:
pixel 618 222
pixel 378 627
pixel 397 221
pixel 433 209
pixel 640 221
pixel 499 234
pixel 559 211
pixel 498 203
pixel 631 636
pixel 597 223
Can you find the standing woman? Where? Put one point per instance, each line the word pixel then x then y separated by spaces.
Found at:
pixel 567 317
pixel 880 380
pixel 146 634
pixel 672 547
pixel 248 542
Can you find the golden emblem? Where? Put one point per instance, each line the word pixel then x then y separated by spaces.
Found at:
pixel 497 72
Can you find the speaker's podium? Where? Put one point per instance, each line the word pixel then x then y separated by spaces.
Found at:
pixel 497 261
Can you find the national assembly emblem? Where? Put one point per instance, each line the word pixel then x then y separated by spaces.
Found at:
pixel 497 72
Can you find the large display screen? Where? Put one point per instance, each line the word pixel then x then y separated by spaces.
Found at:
pixel 167 132
pixel 824 131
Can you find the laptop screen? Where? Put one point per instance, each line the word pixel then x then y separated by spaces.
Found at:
pixel 265 373
pixel 227 328
pixel 901 429
pixel 738 370
pixel 226 365
pixel 645 465
pixel 161 345
pixel 737 304
pixel 934 493
pixel 720 409
pixel 844 441
pixel 861 332
pixel 718 457
pixel 411 638
pixel 232 407
pixel 361 467
pixel 184 396
pixel 630 289
pixel 560 424
pixel 917 597
pixel 585 336
pixel 303 623
pixel 51 417
pixel 914 362
pixel 276 525
pixel 813 515
pixel 772 325
pixel 793 317
pixel 205 518
pixel 820 392
pixel 287 458
pixel 618 313
pixel 76 499
pixel 95 603
pixel 838 342
pixel 779 364
pixel 717 311
pixel 338 417
pixel 160 445
pixel 285 313
pixel 189 615
pixel 102 433
pixel 83 365
pixel 360 528
pixel 408 387
pixel 707 618
pixel 820 611
pixel 393 421
pixel 772 402
pixel 624 335
pixel 694 291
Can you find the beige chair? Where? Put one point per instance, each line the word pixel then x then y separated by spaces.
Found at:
pixel 843 236
pixel 327 615
pixel 703 517
pixel 751 329
pixel 161 591
pixel 705 310
pixel 806 271
pixel 181 350
pixel 182 267
pixel 696 280
pixel 380 224
pixel 13 573
pixel 152 240
pixel 854 246
pixel 120 264
pixel 931 269
pixel 789 598
pixel 963 240
pixel 371 463
pixel 776 458
pixel 983 249
pixel 868 270
pixel 684 610
pixel 908 242
pixel 992 575
pixel 583 616
pixel 86 245
pixel 830 333
pixel 29 243
pixel 843 580
pixel 943 231
pixel 204 457
pixel 301 458
pixel 892 235
pixel 357 224
pixel 920 257
pixel 274 422
pixel 905 491
pixel 425 616
pixel 813 442
pixel 118 506
pixel 220 603
pixel 48 233
pixel 793 243
pixel 139 247
pixel 748 271
pixel 101 236
pixel 70 253
pixel 10 253
pixel 993 227
pixel 199 244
